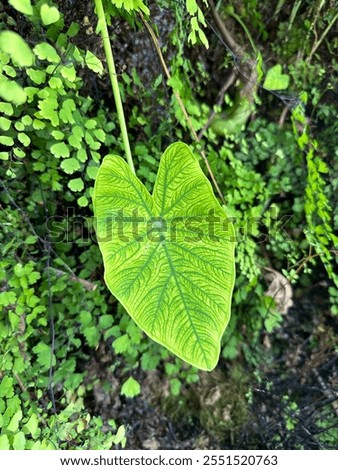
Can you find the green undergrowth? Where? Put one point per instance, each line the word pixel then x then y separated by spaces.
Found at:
pixel 57 121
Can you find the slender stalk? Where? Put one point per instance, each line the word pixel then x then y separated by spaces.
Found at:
pixel 181 104
pixel 294 11
pixel 238 19
pixel 113 79
pixel 318 43
pixel 232 46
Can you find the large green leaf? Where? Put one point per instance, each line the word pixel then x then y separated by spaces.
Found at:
pixel 169 257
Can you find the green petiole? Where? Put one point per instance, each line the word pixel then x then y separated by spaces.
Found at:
pixel 103 29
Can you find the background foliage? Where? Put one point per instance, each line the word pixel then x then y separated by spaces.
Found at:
pixel 75 371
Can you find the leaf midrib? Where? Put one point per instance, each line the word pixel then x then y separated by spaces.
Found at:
pixel 159 301
pixel 172 270
pixel 148 260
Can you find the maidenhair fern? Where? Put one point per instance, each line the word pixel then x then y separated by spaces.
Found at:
pixel 319 230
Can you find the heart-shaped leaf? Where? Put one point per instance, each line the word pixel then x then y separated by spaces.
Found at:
pixel 168 257
pixel 49 15
pixel 275 79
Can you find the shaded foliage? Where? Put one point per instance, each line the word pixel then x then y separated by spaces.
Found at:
pixel 75 371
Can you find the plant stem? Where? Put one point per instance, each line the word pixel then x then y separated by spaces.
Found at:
pixel 318 43
pixel 238 19
pixel 231 45
pixel 181 104
pixel 103 29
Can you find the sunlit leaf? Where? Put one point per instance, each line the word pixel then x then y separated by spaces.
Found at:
pixel 4 442
pixel 275 79
pixel 131 5
pixel 131 388
pixel 68 72
pixel 82 201
pixel 60 150
pixel 49 15
pixel 19 441
pixel 93 63
pixel 76 184
pixel 45 51
pixel 32 424
pixel 37 76
pixel 17 48
pixel 23 6
pixel 169 257
pixel 6 140
pixel 70 165
pixel 5 123
pixel 24 139
pixel 14 422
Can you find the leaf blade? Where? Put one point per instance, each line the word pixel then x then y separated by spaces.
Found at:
pixel 175 274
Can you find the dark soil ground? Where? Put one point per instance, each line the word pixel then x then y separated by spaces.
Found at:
pixel 293 401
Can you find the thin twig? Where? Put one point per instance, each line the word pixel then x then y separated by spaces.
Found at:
pixel 309 258
pixel 227 84
pixel 47 249
pixel 228 38
pixel 327 391
pixel 282 118
pixel 86 284
pixel 181 104
pixel 41 240
pixel 21 385
pixel 24 215
pixel 239 54
pixel 318 43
